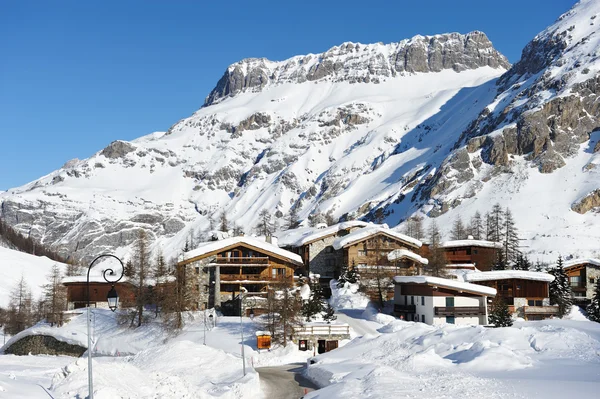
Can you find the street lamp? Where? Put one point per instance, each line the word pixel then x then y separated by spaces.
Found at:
pixel 113 301
pixel 242 292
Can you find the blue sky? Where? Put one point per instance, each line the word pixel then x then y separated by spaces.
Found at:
pixel 76 75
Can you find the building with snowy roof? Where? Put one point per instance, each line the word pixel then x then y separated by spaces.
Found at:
pixel 481 253
pixel 220 270
pixel 583 276
pixel 435 300
pixel 525 292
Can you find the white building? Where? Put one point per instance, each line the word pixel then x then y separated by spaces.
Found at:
pixel 435 300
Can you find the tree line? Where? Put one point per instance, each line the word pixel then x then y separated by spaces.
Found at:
pixel 27 244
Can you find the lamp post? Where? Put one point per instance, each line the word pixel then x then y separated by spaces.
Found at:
pixel 113 302
pixel 242 292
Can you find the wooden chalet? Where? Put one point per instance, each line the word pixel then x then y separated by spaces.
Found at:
pixel 481 253
pixel 222 269
pixel 435 300
pixel 525 292
pixel 583 276
pixel 77 292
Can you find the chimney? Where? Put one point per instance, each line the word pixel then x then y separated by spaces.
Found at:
pixel 268 239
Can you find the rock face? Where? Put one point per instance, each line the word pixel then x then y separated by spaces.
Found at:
pixel 588 203
pixel 43 345
pixel 357 63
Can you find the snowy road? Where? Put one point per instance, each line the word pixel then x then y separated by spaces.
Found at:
pixel 361 327
pixel 284 382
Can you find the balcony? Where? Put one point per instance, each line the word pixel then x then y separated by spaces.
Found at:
pixel 242 261
pixel 404 308
pixel 225 278
pixel 545 310
pixel 459 310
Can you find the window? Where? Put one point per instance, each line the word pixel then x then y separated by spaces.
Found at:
pixel 197 270
pixel 416 317
pixel 579 294
pixel 406 299
pixel 449 301
pixel 575 281
pixel 362 252
pixel 422 301
pixel 449 319
pixel 278 272
pixel 474 252
pixel 591 280
pixel 422 318
pixel 535 302
pixel 412 300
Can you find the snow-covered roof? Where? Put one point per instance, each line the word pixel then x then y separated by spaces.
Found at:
pixel 508 274
pixel 360 235
pixel 460 266
pixel 404 253
pixel 446 283
pixel 305 235
pixel 95 278
pixel 470 243
pixel 213 246
pixel 575 262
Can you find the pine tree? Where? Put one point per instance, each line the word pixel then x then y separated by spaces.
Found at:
pixel 224 223
pixel 329 218
pixel 238 230
pixel 477 230
pixel 379 216
pixel 54 296
pixel 437 263
pixel 160 277
pixel 539 267
pixel 500 263
pixel 496 224
pixel 488 226
pixel 560 289
pixel 458 230
pixel 329 315
pixel 499 313
pixel 292 221
pixel 141 271
pixel 314 305
pixel 593 309
pixel 510 238
pixel 348 274
pixel 129 270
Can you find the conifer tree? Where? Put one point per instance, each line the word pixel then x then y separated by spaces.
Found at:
pixel 510 238
pixel 437 263
pixel 265 226
pixel 141 272
pixel 477 230
pixel 238 230
pixel 348 274
pixel 314 305
pixel 499 313
pixel 593 309
pixel 54 296
pixel 160 277
pixel 500 263
pixel 329 315
pixel 539 267
pixel 560 289
pixel 292 221
pixel 458 230
pixel 496 224
pixel 224 223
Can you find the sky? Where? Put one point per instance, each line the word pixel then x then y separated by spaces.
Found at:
pixel 77 75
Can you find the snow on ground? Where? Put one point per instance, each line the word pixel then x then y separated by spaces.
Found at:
pixel 550 358
pixel 13 264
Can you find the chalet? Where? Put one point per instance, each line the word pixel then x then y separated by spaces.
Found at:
pixel 315 246
pixel 223 268
pixel 370 246
pixel 525 292
pixel 77 292
pixel 435 300
pixel 583 276
pixel 480 253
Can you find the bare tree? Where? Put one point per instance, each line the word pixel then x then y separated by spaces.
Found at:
pixel 238 230
pixel 223 222
pixel 284 311
pixel 292 221
pixel 477 229
pixel 437 262
pixel 54 296
pixel 265 226
pixel 20 308
pixel 376 277
pixel 141 272
pixel 458 230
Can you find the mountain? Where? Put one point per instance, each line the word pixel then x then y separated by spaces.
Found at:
pixel 437 125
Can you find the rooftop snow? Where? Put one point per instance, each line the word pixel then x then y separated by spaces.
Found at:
pixel 301 236
pixel 404 253
pixel 444 282
pixel 366 232
pixel 508 274
pixel 590 261
pixel 470 243
pixel 212 246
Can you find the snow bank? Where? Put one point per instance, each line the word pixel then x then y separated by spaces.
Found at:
pixel 347 297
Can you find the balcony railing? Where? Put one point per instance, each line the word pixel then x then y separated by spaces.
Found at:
pixel 244 260
pixel 459 310
pixel 330 329
pixel 404 308
pixel 540 309
pixel 244 277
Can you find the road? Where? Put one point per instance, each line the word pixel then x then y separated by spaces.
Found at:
pixel 284 382
pixel 358 324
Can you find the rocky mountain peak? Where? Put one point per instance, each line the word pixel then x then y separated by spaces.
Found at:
pixel 360 63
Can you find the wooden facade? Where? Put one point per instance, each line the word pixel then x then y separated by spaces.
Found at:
pixel 583 276
pixel 483 257
pixel 77 294
pixel 374 250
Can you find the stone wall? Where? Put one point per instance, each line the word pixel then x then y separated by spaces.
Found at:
pixel 43 345
pixel 591 272
pixel 323 259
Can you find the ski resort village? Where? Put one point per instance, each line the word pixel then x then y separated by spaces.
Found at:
pixel 416 219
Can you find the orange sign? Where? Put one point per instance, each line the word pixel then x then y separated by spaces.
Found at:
pixel 263 341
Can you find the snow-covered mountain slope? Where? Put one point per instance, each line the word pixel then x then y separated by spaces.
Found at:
pixel 14 264
pixel 535 147
pixel 339 131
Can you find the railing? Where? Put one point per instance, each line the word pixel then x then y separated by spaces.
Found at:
pixel 245 277
pixel 540 309
pixel 329 329
pixel 459 310
pixel 241 260
pixel 405 308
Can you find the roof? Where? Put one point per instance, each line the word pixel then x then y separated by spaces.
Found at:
pixel 508 274
pixel 404 253
pixel 446 283
pixel 470 243
pixel 460 266
pixel 210 247
pixel 306 235
pixel 94 278
pixel 366 232
pixel 577 262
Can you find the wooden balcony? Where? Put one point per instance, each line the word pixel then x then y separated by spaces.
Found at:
pixel 244 277
pixel 551 310
pixel 323 330
pixel 459 310
pixel 404 308
pixel 242 261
